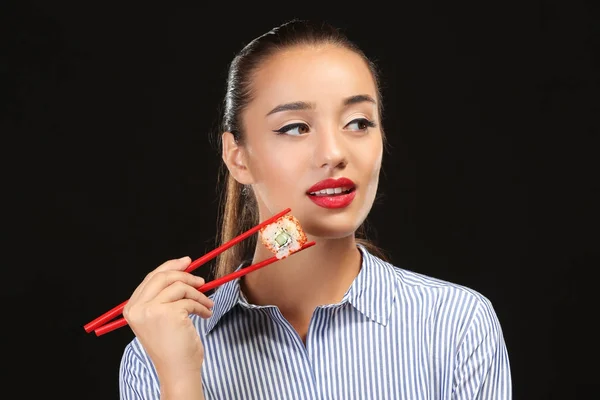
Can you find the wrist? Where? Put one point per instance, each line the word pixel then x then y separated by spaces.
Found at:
pixel 182 387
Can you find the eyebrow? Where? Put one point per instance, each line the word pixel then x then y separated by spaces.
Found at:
pixel 295 106
pixel 359 98
pixel 303 105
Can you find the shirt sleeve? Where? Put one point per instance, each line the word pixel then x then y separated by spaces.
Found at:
pixel 482 367
pixel 137 379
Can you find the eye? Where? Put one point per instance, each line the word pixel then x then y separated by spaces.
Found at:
pixel 361 124
pixel 296 129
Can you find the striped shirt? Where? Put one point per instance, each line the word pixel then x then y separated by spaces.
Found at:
pixel 396 334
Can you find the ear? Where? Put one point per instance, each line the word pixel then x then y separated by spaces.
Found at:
pixel 234 157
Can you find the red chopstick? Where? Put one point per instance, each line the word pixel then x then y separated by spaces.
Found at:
pixel 107 316
pixel 204 288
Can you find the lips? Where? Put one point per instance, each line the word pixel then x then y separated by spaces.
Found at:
pixel 333 193
pixel 332 186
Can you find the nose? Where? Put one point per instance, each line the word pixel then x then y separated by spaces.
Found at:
pixel 330 150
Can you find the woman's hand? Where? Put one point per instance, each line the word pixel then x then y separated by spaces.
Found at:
pixel 158 313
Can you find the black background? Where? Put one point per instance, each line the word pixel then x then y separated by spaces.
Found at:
pixel 491 110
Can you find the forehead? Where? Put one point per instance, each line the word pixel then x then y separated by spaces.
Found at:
pixel 320 74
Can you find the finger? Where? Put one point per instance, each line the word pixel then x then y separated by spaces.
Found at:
pixel 189 306
pixel 170 265
pixel 180 290
pixel 163 279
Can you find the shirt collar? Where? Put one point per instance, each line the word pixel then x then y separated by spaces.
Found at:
pixel 372 293
pixel 224 299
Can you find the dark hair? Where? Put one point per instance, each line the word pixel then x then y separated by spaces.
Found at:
pixel 238 209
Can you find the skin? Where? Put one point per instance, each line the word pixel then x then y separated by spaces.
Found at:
pixel 158 313
pixel 334 141
pixel 281 168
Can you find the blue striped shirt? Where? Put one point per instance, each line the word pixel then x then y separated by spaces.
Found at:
pixel 396 334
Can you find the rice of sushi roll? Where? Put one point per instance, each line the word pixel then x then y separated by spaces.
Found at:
pixel 283 237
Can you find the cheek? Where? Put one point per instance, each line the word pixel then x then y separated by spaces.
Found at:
pixel 372 166
pixel 377 164
pixel 371 155
pixel 277 167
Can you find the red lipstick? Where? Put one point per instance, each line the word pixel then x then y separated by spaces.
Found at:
pixel 332 193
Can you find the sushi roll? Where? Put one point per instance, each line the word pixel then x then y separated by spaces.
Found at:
pixel 283 237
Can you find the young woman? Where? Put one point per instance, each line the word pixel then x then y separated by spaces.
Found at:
pixel 335 321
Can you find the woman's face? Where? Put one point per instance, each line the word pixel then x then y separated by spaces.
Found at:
pixel 313 118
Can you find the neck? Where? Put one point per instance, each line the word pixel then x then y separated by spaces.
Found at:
pixel 299 283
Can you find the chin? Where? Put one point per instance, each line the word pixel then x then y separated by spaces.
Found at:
pixel 321 229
